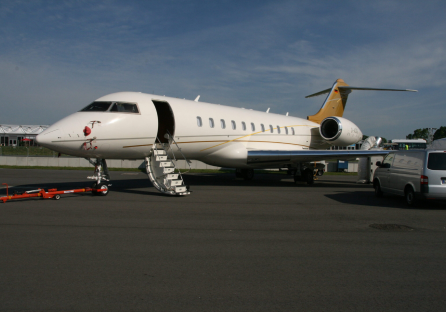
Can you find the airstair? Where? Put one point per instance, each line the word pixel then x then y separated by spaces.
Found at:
pixel 162 170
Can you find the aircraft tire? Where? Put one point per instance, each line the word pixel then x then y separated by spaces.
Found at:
pixel 101 186
pixel 248 174
pixel 308 177
pixel 238 173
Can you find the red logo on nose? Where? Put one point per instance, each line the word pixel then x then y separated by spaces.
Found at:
pixel 87 131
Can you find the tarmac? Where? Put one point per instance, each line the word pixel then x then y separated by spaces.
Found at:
pixel 232 245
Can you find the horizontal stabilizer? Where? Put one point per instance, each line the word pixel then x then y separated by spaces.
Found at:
pixel 336 100
pixel 375 89
pixel 356 88
pixel 318 93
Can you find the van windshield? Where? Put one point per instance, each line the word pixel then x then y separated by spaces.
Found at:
pixel 437 161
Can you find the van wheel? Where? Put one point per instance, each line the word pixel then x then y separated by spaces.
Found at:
pixel 410 196
pixel 378 191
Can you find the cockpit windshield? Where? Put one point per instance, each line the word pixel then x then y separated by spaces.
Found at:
pixel 97 107
pixel 114 107
pixel 124 108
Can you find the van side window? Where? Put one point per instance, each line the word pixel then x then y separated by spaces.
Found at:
pixel 253 127
pixel 387 163
pixel 233 125
pixel 211 122
pixel 223 124
pixel 199 123
pixel 243 126
pixel 263 127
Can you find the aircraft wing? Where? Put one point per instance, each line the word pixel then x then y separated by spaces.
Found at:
pixel 274 157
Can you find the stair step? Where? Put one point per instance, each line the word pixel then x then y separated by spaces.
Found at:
pixel 172 176
pixel 168 170
pixel 176 182
pixel 161 158
pixel 180 189
pixel 165 164
pixel 159 152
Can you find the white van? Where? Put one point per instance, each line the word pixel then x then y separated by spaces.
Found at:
pixel 415 174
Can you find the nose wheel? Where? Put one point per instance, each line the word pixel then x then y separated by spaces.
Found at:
pixel 100 189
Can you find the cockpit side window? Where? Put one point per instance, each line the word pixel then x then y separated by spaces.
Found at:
pixel 97 107
pixel 124 108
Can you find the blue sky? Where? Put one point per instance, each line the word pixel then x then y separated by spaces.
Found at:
pixel 58 56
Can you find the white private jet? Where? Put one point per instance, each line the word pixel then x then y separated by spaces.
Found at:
pixel 160 129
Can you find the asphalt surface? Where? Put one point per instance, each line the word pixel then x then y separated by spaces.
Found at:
pixel 232 245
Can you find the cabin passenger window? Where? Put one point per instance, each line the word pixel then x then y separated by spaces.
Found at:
pixel 199 123
pixel 223 124
pixel 253 127
pixel 124 108
pixel 271 129
pixel 292 131
pixel 286 130
pixel 243 126
pixel 233 125
pixel 263 127
pixel 211 122
pixel 97 107
pixel 278 129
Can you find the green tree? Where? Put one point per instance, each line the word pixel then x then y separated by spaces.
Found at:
pixel 419 134
pixel 440 133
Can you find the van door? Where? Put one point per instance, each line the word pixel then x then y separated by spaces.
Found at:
pixel 384 171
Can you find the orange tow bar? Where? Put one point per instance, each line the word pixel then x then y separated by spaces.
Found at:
pixel 51 193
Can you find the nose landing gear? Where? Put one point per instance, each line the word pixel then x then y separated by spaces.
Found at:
pixel 101 175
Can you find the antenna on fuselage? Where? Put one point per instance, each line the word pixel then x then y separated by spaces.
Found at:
pixel 197 98
pixel 267 111
pixel 286 114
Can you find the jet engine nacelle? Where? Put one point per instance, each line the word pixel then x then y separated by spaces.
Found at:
pixel 339 131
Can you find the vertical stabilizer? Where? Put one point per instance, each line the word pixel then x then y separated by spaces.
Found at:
pixel 334 104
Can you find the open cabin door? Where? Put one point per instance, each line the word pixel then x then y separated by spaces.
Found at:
pixel 166 120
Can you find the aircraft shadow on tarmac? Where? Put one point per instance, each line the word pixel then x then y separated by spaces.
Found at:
pixel 142 185
pixel 360 194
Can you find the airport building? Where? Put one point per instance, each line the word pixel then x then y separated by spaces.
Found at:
pixel 20 135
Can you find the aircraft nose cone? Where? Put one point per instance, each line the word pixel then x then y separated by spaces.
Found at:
pixel 48 138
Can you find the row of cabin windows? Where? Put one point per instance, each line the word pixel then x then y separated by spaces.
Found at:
pixel 234 125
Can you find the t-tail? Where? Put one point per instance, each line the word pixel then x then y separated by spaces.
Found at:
pixel 334 104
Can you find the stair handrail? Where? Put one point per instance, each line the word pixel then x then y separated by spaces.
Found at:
pixel 179 149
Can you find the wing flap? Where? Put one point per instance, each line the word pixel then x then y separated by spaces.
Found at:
pixel 275 157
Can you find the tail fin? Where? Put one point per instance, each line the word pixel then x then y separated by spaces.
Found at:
pixel 334 104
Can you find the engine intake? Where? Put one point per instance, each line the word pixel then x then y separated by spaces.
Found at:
pixel 339 131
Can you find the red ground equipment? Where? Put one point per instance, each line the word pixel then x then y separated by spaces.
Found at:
pixel 51 193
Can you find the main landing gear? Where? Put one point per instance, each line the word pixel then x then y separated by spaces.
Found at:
pixel 306 172
pixel 101 175
pixel 246 174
